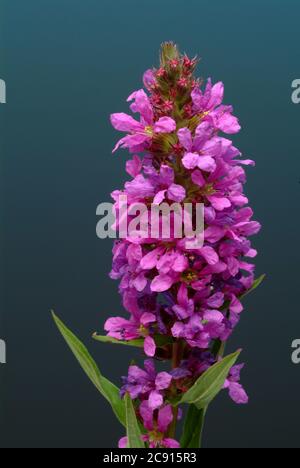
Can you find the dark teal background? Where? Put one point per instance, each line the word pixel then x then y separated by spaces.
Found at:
pixel 68 64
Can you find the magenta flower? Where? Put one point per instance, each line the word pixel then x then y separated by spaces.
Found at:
pixel 169 265
pixel 140 132
pixel 185 307
pixel 209 102
pixel 200 329
pixel 236 390
pixel 157 428
pixel 168 189
pixel 149 79
pixel 127 330
pixel 201 150
pixel 146 384
pixel 134 166
pixel 209 99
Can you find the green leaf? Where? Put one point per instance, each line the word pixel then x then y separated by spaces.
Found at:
pixel 210 383
pixel 107 389
pixel 256 284
pixel 160 341
pixel 193 427
pixel 134 434
pixel 139 343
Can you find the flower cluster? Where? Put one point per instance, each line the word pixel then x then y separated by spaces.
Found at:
pixel 184 303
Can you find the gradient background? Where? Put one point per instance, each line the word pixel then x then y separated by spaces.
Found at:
pixel 68 64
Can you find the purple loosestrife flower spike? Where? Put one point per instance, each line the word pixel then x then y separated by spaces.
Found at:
pixel 183 303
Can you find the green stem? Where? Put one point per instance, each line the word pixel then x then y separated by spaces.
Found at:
pixel 176 357
pixel 218 348
pixel 222 349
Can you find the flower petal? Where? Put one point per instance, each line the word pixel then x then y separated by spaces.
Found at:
pixel 165 125
pixel 149 346
pixel 238 394
pixel 206 163
pixel 235 305
pixel 147 318
pixel 155 400
pixel 170 443
pixel 135 142
pixel 198 178
pixel 163 380
pixel 142 105
pixel 149 79
pixel 159 197
pixel 165 417
pixel 210 255
pixel 123 443
pixel 134 166
pixel 217 95
pixel 161 283
pixel 219 203
pixel 125 123
pixel 180 263
pixel 190 160
pixel 147 415
pixel 166 175
pixel 139 187
pixel 185 138
pixel 150 260
pixel 176 193
pixel 140 282
pixel 202 134
pixel 178 330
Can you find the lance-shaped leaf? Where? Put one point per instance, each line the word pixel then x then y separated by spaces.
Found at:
pixel 160 341
pixel 206 388
pixel 193 428
pixel 138 343
pixel 255 285
pixel 134 435
pixel 107 389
